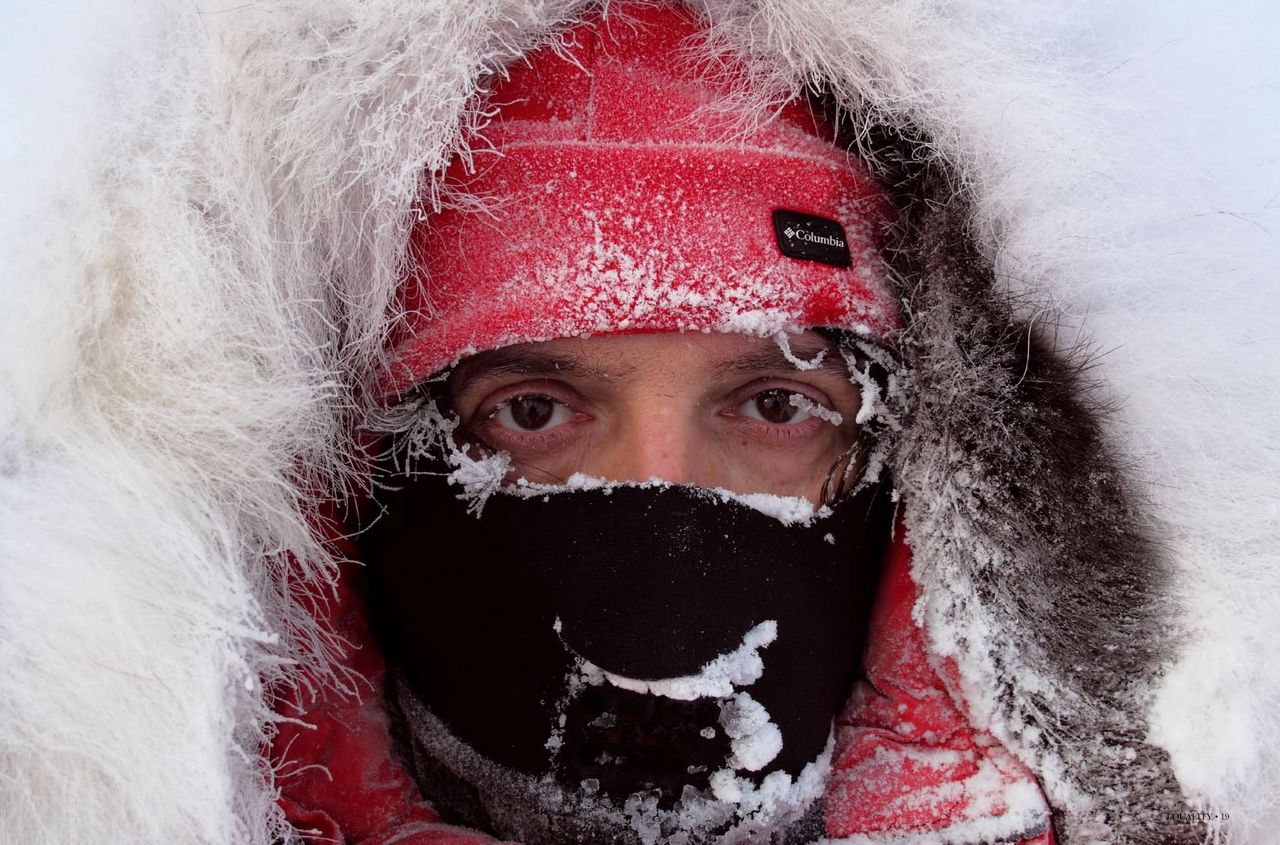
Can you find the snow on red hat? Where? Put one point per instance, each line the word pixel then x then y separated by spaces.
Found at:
pixel 622 199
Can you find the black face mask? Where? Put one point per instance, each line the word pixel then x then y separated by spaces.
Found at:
pixel 596 663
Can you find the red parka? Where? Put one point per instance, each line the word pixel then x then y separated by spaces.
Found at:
pixel 907 761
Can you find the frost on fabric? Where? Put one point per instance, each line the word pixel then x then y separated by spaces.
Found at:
pixel 759 322
pixel 613 289
pixel 733 809
pixel 995 811
pixel 608 285
pixel 789 510
pixel 526 808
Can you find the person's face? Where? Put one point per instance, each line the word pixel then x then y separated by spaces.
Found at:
pixel 712 410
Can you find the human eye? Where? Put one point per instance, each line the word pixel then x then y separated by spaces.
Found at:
pixel 776 407
pixel 537 416
pixel 787 406
pixel 530 413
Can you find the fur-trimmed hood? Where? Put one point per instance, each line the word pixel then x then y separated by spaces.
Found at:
pixel 207 209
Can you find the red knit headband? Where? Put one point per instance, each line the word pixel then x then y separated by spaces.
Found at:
pixel 623 200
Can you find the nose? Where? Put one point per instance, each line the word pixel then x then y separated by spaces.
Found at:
pixel 659 441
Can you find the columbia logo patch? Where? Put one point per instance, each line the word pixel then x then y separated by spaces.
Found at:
pixel 811 238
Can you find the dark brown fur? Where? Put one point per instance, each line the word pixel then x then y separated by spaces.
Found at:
pixel 1076 586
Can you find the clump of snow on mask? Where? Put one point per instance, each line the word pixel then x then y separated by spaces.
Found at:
pixel 584 674
pixel 733 798
pixel 777 797
pixel 732 808
pixel 525 488
pixel 789 510
pixel 717 679
pixel 755 739
pixel 529 808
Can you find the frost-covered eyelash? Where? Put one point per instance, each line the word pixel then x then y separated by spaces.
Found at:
pixel 496 409
pixel 822 412
pixel 547 388
pixel 506 403
pixel 796 397
pixel 485 417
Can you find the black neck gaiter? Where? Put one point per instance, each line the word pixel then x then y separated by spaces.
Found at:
pixel 630 663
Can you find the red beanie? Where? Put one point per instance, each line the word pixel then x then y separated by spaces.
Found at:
pixel 625 198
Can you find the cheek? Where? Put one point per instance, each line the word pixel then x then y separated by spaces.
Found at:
pixel 548 465
pixel 781 465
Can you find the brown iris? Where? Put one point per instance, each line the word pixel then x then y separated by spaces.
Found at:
pixel 532 412
pixel 775 406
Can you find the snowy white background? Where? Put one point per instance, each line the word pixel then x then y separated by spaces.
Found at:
pixel 1197 362
pixel 1173 272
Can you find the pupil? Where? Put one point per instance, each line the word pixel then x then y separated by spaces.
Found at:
pixel 775 406
pixel 531 412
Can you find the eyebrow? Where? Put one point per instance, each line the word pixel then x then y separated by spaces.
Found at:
pixel 528 362
pixel 772 359
pixel 523 361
